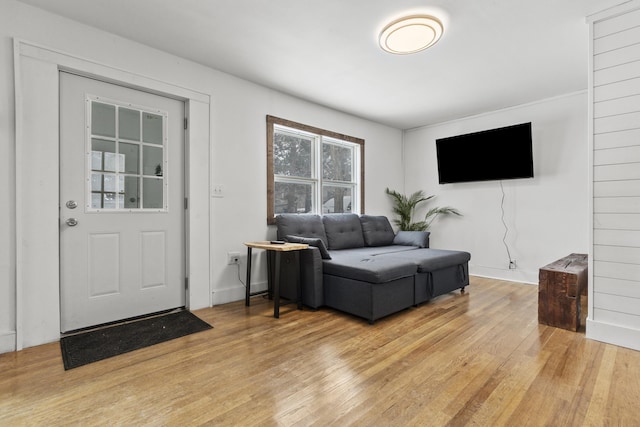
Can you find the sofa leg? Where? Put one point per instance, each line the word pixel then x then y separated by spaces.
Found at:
pixel 462 290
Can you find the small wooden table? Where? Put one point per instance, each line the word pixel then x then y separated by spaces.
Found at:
pixel 275 286
pixel 560 286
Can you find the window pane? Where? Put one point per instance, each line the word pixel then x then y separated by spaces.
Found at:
pixel 291 155
pixel 337 162
pixel 96 160
pixel 129 124
pixel 152 193
pixel 103 119
pixel 131 192
pixel 110 183
pixel 100 161
pixel 336 199
pixel 109 201
pixel 96 200
pixel 96 182
pixel 152 128
pixel 130 156
pixel 293 198
pixel 152 161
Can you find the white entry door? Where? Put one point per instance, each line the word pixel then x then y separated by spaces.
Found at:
pixel 122 206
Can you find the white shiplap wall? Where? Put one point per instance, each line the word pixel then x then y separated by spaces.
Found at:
pixel 614 303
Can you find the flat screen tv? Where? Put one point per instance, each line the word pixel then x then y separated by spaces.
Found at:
pixel 496 154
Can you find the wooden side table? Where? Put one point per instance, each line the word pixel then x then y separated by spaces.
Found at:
pixel 278 249
pixel 560 286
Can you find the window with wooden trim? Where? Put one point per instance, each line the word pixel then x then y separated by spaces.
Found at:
pixel 312 170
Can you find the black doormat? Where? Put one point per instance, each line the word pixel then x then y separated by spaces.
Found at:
pixel 87 347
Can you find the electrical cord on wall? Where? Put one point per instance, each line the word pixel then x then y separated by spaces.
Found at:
pixel 239 279
pixel 506 228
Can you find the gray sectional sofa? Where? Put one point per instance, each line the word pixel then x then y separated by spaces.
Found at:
pixel 357 264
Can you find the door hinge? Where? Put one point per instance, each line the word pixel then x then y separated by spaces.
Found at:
pixel 186 123
pixel 186 283
pixel 186 203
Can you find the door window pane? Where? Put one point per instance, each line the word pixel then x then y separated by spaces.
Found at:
pixel 103 119
pixel 293 198
pixel 152 193
pixel 130 155
pixel 109 201
pixel 152 125
pixel 129 124
pixel 103 155
pixel 96 200
pixel 110 162
pixel 131 195
pixel 96 160
pixel 152 161
pixel 110 182
pixel 96 182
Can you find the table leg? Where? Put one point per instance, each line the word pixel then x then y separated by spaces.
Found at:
pixel 248 285
pixel 270 261
pixel 276 287
pixel 298 279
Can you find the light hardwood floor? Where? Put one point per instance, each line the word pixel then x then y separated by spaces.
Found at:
pixel 478 358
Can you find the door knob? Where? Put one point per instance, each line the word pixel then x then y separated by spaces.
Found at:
pixel 72 204
pixel 72 222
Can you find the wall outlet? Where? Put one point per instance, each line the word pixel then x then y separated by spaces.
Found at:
pixel 512 265
pixel 233 258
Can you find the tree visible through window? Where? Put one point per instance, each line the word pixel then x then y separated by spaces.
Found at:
pixel 312 170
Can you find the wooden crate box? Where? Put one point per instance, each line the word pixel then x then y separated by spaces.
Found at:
pixel 561 285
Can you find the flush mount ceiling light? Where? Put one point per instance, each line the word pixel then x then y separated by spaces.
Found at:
pixel 411 34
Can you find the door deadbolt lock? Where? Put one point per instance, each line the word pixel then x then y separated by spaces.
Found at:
pixel 72 222
pixel 72 204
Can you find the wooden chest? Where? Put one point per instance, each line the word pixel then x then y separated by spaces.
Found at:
pixel 561 284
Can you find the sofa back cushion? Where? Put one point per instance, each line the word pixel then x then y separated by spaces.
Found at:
pixel 303 225
pixel 343 231
pixel 376 230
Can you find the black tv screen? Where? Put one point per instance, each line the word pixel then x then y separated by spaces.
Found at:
pixel 496 154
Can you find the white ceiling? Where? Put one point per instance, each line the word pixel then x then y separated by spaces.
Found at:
pixel 493 54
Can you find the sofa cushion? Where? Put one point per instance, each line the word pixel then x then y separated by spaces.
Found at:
pixel 343 231
pixel 311 241
pixel 412 238
pixel 374 269
pixel 376 230
pixel 430 259
pixel 304 225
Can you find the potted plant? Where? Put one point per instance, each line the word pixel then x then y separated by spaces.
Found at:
pixel 405 206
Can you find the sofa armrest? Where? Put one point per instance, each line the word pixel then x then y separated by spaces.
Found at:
pixel 310 275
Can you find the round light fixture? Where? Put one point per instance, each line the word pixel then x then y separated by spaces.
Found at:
pixel 411 34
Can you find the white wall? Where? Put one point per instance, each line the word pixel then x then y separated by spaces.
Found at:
pixel 546 216
pixel 237 142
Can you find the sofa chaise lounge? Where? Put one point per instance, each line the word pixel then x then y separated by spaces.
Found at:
pixel 357 264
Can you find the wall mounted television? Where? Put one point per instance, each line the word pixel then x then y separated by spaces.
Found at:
pixel 496 154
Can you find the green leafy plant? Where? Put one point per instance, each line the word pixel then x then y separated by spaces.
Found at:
pixel 405 208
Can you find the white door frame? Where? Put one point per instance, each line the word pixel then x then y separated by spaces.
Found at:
pixel 36 71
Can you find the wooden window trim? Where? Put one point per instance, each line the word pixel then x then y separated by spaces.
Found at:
pixel 271 122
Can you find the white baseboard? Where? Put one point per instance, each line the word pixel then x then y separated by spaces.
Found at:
pixel 613 334
pixel 235 293
pixel 7 342
pixel 516 275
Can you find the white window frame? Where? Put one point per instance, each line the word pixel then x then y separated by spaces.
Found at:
pixel 318 137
